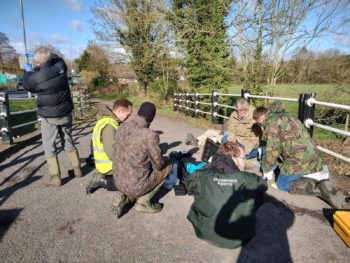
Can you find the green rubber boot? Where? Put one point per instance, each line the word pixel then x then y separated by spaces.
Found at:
pixel 54 170
pixel 144 204
pixel 75 162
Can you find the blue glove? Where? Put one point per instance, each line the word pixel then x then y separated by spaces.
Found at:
pixel 27 67
pixel 224 138
pixel 29 54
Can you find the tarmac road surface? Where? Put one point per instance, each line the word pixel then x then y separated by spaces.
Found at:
pixel 39 224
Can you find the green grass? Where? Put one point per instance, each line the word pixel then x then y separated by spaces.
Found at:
pixel 23 118
pixel 22 105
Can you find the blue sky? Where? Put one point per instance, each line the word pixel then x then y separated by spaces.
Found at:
pixel 55 22
pixel 48 22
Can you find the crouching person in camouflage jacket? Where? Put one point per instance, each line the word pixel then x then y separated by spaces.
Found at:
pixel 286 138
pixel 138 167
pixel 301 170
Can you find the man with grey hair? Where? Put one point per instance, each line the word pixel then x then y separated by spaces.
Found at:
pixel 239 127
pixel 50 82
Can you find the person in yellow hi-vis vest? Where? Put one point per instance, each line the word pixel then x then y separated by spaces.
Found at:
pixel 102 140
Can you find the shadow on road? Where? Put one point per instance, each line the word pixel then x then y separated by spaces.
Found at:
pixel 166 146
pixel 19 181
pixel 270 243
pixel 7 217
pixel 18 159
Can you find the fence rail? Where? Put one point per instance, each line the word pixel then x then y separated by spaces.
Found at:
pixel 306 110
pixel 6 128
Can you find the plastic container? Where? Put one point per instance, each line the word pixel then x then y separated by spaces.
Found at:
pixel 342 225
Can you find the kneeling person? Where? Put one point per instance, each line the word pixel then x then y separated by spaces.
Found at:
pixel 139 170
pixel 103 138
pixel 225 198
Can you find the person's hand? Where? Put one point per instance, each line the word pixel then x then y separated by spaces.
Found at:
pixel 27 67
pixel 269 175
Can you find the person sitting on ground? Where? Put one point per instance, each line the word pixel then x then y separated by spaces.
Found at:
pixel 225 198
pixel 236 129
pixel 138 166
pixel 239 128
pixel 103 138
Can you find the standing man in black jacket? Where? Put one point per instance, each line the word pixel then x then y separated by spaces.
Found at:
pixel 50 82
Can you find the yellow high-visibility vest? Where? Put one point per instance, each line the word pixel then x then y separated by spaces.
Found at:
pixel 102 163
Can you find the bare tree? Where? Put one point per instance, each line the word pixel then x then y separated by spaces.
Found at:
pixel 137 27
pixel 282 26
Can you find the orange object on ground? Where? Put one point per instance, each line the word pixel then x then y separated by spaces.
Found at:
pixel 342 225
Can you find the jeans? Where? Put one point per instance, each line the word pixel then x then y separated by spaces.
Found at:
pixel 283 181
pixel 172 179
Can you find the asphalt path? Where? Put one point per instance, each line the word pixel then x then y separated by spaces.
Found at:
pixel 39 224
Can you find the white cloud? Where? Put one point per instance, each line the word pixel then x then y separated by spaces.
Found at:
pixel 58 39
pixel 76 25
pixel 75 5
pixel 342 40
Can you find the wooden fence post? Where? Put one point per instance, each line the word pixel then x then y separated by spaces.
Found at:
pixel 196 104
pixel 306 111
pixel 214 107
pixel 174 102
pixel 187 104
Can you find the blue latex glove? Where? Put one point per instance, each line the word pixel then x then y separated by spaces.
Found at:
pixel 224 138
pixel 27 67
pixel 29 54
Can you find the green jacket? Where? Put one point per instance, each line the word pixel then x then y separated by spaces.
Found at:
pixel 286 137
pixel 224 207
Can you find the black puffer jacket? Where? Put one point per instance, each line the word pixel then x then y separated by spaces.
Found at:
pixel 50 82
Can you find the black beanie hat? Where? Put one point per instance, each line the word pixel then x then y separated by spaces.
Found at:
pixel 148 111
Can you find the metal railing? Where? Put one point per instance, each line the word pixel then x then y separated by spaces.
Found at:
pixel 6 127
pixel 306 110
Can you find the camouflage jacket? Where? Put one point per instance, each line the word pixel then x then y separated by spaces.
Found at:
pixel 240 130
pixel 286 137
pixel 136 153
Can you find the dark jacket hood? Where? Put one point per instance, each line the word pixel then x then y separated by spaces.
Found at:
pixel 223 164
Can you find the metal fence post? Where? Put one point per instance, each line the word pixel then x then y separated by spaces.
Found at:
pixel 214 106
pixel 187 104
pixel 196 99
pixel 306 111
pixel 5 127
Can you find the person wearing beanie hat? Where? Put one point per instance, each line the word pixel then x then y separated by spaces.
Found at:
pixel 138 166
pixel 148 111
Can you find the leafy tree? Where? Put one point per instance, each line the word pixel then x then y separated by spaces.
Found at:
pixel 202 33
pixel 94 58
pixel 136 26
pixel 8 55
